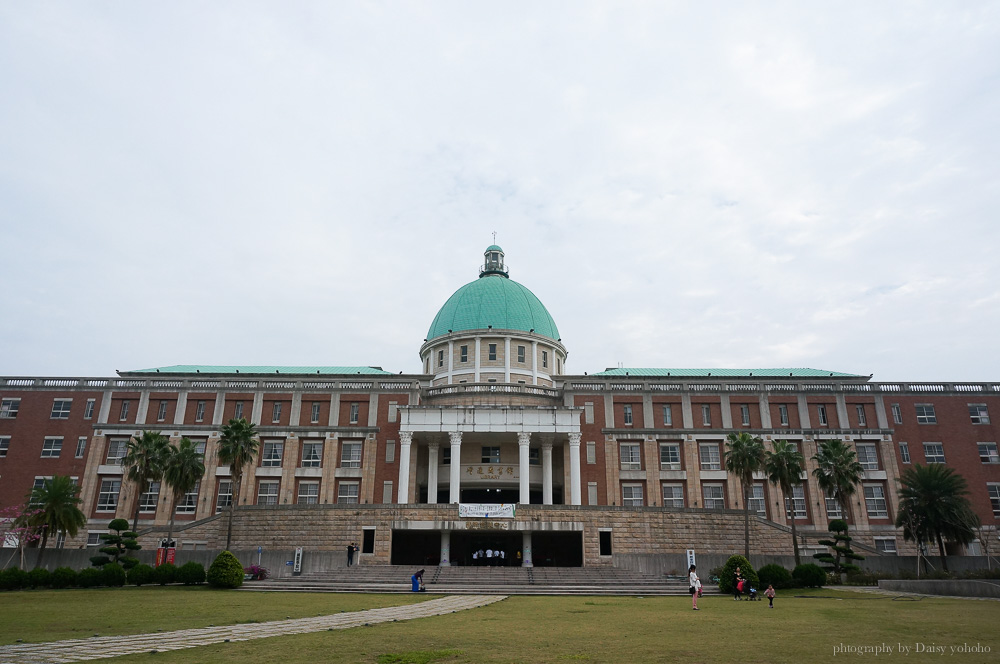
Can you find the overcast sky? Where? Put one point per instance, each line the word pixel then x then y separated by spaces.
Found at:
pixel 681 184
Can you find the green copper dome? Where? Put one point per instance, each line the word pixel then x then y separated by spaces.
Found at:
pixel 494 301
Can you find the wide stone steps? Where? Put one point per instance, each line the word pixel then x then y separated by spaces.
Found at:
pixel 478 580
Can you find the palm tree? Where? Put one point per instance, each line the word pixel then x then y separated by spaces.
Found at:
pixel 237 447
pixel 143 464
pixel 744 457
pixel 933 506
pixel 838 472
pixel 182 471
pixel 57 500
pixel 783 465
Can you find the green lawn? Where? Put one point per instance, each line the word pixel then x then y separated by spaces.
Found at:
pixel 805 626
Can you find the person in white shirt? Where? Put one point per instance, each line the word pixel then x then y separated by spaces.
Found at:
pixel 695 586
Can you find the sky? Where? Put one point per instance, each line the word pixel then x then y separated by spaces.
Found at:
pixel 703 184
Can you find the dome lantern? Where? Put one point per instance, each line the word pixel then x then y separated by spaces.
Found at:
pixel 493 263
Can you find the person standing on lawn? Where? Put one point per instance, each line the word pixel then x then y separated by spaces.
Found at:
pixel 695 586
pixel 769 594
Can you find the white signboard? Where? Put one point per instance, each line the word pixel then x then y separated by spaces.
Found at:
pixel 486 511
pixel 690 557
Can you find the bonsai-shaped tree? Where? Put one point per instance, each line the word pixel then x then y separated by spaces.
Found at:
pixel 838 561
pixel 117 545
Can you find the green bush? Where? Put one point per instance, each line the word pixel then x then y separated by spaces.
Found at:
pixel 775 575
pixel 727 575
pixel 809 575
pixel 113 575
pixel 39 578
pixel 191 573
pixel 165 573
pixel 141 574
pixel 13 578
pixel 63 577
pixel 99 561
pixel 90 577
pixel 225 571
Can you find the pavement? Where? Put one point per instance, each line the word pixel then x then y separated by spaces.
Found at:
pixel 102 647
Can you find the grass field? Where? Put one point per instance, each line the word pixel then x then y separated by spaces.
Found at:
pixel 805 626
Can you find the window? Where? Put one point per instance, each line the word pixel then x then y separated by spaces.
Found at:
pixel 631 456
pixel 116 450
pixel 51 448
pixel 267 492
pixel 312 455
pixel 796 503
pixel 94 538
pixel 591 493
pixel 783 415
pixel 225 496
pixel 745 415
pixel 492 351
pixel 4 445
pixel 591 452
pixel 994 491
pixel 107 499
pixel 446 456
pixel 148 499
pixel 886 545
pixel 632 495
pixel 350 455
pixel 9 408
pixel 271 455
pixel 463 353
pixel 673 495
pixel 124 411
pixel 755 500
pixel 276 413
pixel 189 503
pixel 348 493
pixel 833 510
pixel 199 413
pixel 668 416
pixel 904 452
pixel 520 354
pixel 978 413
pixel 545 359
pixel 588 412
pixel 627 410
pixel 199 447
pixel 862 420
pixel 491 454
pixel 390 451
pixel 534 456
pixel 308 493
pixel 161 414
pixel 714 497
pixel 88 410
pixel 821 412
pixel 875 501
pixel 925 414
pixel 238 411
pixel 387 492
pixel 709 454
pixel 988 453
pixel 670 456
pixel 355 412
pixel 440 358
pixel 934 452
pixel 868 456
pixel 314 413
pixel 60 409
pixel 897 414
pixel 706 415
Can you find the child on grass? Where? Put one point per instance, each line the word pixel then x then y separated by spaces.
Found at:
pixel 769 594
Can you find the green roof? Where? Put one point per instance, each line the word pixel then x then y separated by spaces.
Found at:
pixel 493 301
pixel 729 373
pixel 494 247
pixel 259 369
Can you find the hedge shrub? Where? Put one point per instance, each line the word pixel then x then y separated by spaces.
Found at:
pixel 775 575
pixel 63 577
pixel 225 571
pixel 13 578
pixel 191 573
pixel 39 578
pixel 113 575
pixel 89 577
pixel 727 575
pixel 809 575
pixel 165 573
pixel 141 574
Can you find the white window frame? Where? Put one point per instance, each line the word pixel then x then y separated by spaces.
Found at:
pixel 107 497
pixel 668 416
pixel 123 414
pixel 224 497
pixel 490 454
pixel 926 413
pixel 630 456
pixel 744 414
pixel 492 352
pixel 52 447
pixel 348 492
pixel 713 496
pixel 267 492
pixel 271 453
pixel 797 502
pixel 387 492
pixel 875 503
pixel 9 408
pixel 238 411
pixel 350 454
pixel 88 409
pixel 591 493
pixel 591 452
pixel 979 413
pixel 314 412
pixel 673 495
pixel 463 354
pixel 821 415
pixel 988 452
pixel 440 358
pixel 868 455
pixel 119 445
pixel 904 451
pixel 862 418
pixel 81 447
pixel 783 414
pixel 355 413
pixel 161 411
pixel 188 504
pixel 833 508
pixel 632 495
pixel 312 454
pixel 4 446
pixel 545 359
pixel 627 414
pixel 521 355
pixel 713 460
pixel 199 412
pixel 149 499
pixel 897 414
pixel 993 491
pixel 934 453
pixel 670 456
pixel 390 451
pixel 276 412
pixel 886 546
pixel 308 493
pixel 757 500
pixel 61 409
pixel 706 415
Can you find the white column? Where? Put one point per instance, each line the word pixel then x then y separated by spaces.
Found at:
pixel 445 548
pixel 506 360
pixel 523 440
pixel 432 473
pixel 526 548
pixel 405 438
pixel 456 466
pixel 574 469
pixel 479 341
pixel 547 471
pixel 534 363
pixel 451 360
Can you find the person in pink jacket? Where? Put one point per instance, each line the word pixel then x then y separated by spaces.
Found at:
pixel 769 594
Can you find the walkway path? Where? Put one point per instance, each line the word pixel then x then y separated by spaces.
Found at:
pixel 79 650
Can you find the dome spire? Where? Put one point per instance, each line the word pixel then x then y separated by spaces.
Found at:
pixel 493 262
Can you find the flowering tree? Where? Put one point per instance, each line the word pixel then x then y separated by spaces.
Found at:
pixel 19 528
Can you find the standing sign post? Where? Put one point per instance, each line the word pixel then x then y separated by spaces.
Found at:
pixel 166 551
pixel 690 558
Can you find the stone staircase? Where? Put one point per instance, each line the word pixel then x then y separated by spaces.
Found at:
pixel 479 580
